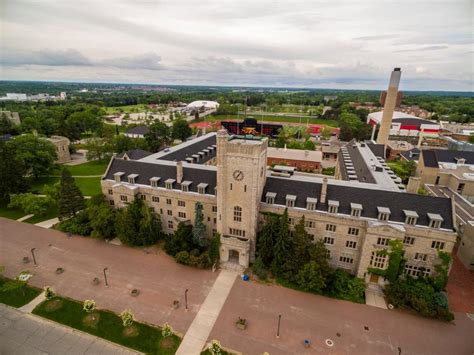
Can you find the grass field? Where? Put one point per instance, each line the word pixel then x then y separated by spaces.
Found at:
pixel 277 118
pixel 94 167
pixel 19 297
pixel 89 186
pixel 50 214
pixel 126 109
pixel 107 325
pixel 11 213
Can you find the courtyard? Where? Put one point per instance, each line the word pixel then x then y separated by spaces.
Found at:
pixel 353 328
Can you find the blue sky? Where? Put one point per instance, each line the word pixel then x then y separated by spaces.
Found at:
pixel 323 44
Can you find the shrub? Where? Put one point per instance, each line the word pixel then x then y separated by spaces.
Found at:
pixel 342 285
pixel 49 292
pixel 215 347
pixel 194 252
pixel 89 306
pixel 204 261
pixel 167 331
pixel 259 269
pixel 182 257
pixel 79 224
pixel 127 318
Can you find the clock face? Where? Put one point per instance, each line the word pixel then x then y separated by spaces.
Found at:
pixel 238 175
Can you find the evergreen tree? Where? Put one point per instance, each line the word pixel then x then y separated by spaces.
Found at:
pixel 199 230
pixel 281 249
pixel 181 240
pixel 300 245
pixel 310 277
pixel 12 172
pixel 102 218
pixel 266 240
pixel 71 200
pixel 214 247
pixel 181 129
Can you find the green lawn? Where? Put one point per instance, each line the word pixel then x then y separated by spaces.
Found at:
pixel 207 352
pixel 277 118
pixel 50 214
pixel 109 326
pixel 94 167
pixel 19 297
pixel 127 109
pixel 11 213
pixel 88 186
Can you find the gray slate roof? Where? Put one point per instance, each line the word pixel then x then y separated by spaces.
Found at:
pixel 138 130
pixel 368 198
pixel 185 152
pixel 146 171
pixel 134 154
pixel 362 170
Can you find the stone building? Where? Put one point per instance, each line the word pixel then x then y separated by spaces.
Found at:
pixel 228 175
pixel 62 148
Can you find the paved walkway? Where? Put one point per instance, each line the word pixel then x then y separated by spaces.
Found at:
pixel 374 297
pixel 195 338
pixel 22 333
pixel 24 217
pixel 48 223
pixel 28 308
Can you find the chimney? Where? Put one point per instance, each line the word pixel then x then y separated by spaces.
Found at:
pixel 324 190
pixel 420 139
pixel 179 172
pixel 389 107
pixel 414 184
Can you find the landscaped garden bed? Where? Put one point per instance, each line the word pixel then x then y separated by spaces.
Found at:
pixel 17 296
pixel 108 325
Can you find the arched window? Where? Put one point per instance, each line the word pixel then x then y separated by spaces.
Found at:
pixel 237 214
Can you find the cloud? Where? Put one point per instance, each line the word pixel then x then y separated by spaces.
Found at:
pixel 72 57
pixel 376 37
pixel 426 48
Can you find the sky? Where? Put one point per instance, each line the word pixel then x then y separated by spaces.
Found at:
pixel 315 44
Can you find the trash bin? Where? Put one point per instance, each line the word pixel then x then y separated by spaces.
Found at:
pixel 245 277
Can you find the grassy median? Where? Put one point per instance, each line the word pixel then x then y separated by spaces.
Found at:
pixel 108 325
pixel 17 296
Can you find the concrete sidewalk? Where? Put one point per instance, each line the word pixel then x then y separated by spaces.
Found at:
pixel 48 224
pixel 195 338
pixel 22 333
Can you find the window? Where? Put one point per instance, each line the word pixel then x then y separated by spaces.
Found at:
pixel 181 203
pixel 131 178
pixel 169 184
pixel 202 188
pixel 182 214
pixel 155 199
pixel 152 209
pixel 161 211
pixel 353 231
pixel 169 212
pixel 410 217
pixel 435 224
pixel 377 260
pixel 383 216
pixel 410 220
pixel 245 188
pixel 409 240
pixel 333 206
pixel 311 236
pixel 290 200
pixel 143 197
pixel 270 199
pixel 310 224
pixel 237 232
pixel 329 240
pixel 291 221
pixel 356 209
pixel 328 254
pixel 331 227
pixel 461 187
pixel 184 188
pixel 416 271
pixel 123 198
pixel 237 214
pixel 214 209
pixel 118 176
pixel 351 244
pixel 215 220
pixel 112 202
pixel 170 224
pixel 436 244
pixel 310 206
pixel 435 220
pixel 110 192
pixel 384 213
pixel 382 241
pixel 154 181
pixel 346 259
pixel 168 201
pixel 421 257
pixel 231 186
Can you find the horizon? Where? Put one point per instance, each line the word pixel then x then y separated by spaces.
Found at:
pixel 307 44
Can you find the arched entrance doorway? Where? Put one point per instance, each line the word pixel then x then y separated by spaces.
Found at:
pixel 233 256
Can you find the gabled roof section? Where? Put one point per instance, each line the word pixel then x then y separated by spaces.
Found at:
pixel 134 154
pixel 142 130
pixel 429 158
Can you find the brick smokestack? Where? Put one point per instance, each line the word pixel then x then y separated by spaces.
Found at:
pixel 324 190
pixel 389 107
pixel 179 172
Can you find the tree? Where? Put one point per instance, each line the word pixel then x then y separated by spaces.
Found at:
pixel 98 148
pixel 471 138
pixel 326 133
pixel 137 225
pixel 12 172
pixel 71 200
pixel 266 239
pixel 6 126
pixel 352 127
pixel 31 204
pixel 214 247
pixel 310 278
pixel 158 135
pixel 282 244
pixel 299 254
pixel 36 154
pixel 309 145
pixel 102 218
pixel 199 229
pixel 181 130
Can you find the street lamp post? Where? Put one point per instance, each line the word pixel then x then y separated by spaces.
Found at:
pixel 33 254
pixel 105 277
pixel 186 299
pixel 278 329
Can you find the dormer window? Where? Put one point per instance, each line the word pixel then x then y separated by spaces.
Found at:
pixel 132 178
pixel 169 183
pixel 311 203
pixel 118 176
pixel 333 206
pixel 185 185
pixel 435 220
pixel 410 217
pixel 356 209
pixel 384 213
pixel 154 181
pixel 290 200
pixel 202 188
pixel 460 161
pixel 270 198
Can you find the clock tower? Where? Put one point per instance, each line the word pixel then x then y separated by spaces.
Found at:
pixel 241 176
